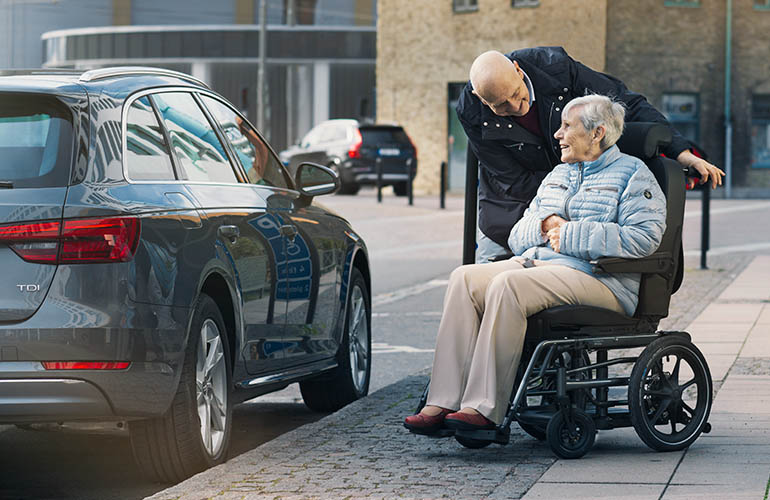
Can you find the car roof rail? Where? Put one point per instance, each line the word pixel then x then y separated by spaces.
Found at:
pixel 102 73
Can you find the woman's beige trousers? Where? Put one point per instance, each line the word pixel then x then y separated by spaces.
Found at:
pixel 482 328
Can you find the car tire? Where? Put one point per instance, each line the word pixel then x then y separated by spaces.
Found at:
pixel 400 188
pixel 176 446
pixel 349 381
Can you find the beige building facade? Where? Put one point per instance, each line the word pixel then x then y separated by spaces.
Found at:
pixel 671 51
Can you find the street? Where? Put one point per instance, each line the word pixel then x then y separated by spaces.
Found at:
pixel 412 251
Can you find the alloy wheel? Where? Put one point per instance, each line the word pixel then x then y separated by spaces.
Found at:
pixel 211 387
pixel 358 338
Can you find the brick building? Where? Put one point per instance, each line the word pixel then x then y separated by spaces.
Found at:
pixel 672 51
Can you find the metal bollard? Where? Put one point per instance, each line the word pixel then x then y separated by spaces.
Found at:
pixel 705 224
pixel 409 184
pixel 378 168
pixel 442 189
pixel 471 199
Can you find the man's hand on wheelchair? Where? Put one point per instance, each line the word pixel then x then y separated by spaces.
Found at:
pixel 551 227
pixel 705 169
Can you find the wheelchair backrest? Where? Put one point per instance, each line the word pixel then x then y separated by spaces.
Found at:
pixel 644 140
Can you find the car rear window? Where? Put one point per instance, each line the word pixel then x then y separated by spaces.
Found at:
pixel 35 141
pixel 384 136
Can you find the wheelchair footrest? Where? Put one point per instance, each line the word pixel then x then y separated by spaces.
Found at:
pixel 441 433
pixel 497 435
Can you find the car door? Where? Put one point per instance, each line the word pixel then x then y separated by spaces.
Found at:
pixel 265 175
pixel 238 219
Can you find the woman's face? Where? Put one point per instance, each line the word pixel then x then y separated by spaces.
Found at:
pixel 574 140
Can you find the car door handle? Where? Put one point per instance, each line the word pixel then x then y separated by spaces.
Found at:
pixel 230 232
pixel 289 231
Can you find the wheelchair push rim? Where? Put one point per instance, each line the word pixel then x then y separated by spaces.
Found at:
pixel 670 394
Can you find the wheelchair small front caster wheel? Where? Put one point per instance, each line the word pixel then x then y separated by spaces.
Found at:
pixel 573 437
pixel 472 443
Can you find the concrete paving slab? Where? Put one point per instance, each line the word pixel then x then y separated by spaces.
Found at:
pixel 758 342
pixel 744 394
pixel 594 491
pixel 764 316
pixel 719 348
pixel 729 313
pixel 719 365
pixel 618 456
pixel 713 492
pixel 719 332
pixel 707 452
pixel 754 476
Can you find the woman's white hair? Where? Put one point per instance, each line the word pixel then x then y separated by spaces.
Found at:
pixel 596 110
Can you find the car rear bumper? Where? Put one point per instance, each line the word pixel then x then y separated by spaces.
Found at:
pixel 29 393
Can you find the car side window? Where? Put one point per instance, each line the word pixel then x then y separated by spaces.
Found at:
pixel 148 156
pixel 261 166
pixel 201 155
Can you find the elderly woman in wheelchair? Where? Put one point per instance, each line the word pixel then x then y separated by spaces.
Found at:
pixel 554 304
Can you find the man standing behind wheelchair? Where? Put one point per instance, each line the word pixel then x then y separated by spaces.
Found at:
pixel 598 203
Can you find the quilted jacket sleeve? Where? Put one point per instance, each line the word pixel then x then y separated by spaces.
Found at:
pixel 637 232
pixel 527 232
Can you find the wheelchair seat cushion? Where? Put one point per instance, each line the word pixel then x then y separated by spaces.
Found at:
pixel 577 316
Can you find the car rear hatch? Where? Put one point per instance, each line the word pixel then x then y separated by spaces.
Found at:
pixel 36 150
pixel 389 142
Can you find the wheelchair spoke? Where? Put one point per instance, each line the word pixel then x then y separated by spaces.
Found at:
pixel 673 426
pixel 687 384
pixel 656 392
pixel 664 405
pixel 675 373
pixel 689 410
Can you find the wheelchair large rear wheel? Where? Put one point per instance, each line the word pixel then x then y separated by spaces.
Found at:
pixel 670 394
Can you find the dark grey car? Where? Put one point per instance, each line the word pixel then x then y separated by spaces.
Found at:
pixel 353 149
pixel 160 265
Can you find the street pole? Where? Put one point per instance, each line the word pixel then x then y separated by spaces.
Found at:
pixel 262 73
pixel 291 108
pixel 728 118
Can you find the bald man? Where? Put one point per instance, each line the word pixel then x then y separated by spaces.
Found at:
pixel 510 110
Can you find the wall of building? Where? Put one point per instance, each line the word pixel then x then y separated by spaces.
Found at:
pixel 751 75
pixel 675 49
pixel 423 46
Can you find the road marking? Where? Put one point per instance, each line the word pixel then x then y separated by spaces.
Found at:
pixel 404 251
pixel 728 210
pixel 387 298
pixel 749 247
pixel 407 314
pixel 382 348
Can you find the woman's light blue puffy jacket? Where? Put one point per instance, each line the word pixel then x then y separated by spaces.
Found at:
pixel 614 208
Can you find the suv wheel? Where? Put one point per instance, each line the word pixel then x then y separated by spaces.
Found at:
pixel 194 434
pixel 400 188
pixel 350 380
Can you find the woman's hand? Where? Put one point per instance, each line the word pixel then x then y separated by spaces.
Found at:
pixel 554 238
pixel 704 168
pixel 551 222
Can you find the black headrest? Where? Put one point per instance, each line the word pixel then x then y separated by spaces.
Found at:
pixel 642 139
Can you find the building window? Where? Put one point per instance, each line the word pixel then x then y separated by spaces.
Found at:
pixel 525 3
pixel 760 131
pixel 762 4
pixel 465 5
pixel 681 110
pixel 681 3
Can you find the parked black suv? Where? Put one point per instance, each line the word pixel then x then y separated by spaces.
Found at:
pixel 159 265
pixel 352 148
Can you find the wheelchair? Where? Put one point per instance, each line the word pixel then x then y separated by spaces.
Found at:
pixel 573 377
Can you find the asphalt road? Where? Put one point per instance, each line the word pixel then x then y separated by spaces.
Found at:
pixel 412 251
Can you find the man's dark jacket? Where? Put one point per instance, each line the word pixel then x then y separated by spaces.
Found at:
pixel 513 161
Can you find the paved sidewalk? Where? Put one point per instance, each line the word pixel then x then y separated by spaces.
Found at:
pixel 363 452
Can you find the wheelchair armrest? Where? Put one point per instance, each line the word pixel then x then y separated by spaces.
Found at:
pixel 503 256
pixel 657 263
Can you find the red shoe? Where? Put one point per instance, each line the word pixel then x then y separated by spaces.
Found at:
pixel 425 424
pixel 468 422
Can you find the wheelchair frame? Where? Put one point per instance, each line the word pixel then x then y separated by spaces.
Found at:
pixel 574 391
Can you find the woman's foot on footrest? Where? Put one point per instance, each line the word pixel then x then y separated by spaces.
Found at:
pixel 426 424
pixel 461 421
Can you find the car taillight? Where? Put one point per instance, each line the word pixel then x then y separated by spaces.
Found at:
pixel 355 148
pixel 77 241
pixel 86 365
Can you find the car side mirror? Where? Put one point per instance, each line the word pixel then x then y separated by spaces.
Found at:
pixel 315 180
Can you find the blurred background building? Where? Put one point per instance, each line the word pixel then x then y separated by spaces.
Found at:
pixel 320 54
pixel 407 60
pixel 672 51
